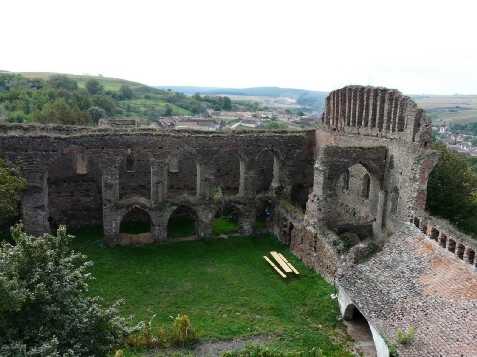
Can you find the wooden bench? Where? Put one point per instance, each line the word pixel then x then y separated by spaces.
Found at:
pixel 275 267
pixel 286 266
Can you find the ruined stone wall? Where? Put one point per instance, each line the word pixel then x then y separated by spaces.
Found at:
pixel 120 170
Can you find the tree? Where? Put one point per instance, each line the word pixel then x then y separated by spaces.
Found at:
pixel 452 189
pixel 94 87
pixel 61 81
pixel 10 186
pixel 43 307
pixel 168 110
pixel 96 113
pixel 126 92
pixel 226 103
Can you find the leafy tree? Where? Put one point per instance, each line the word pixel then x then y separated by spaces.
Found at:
pixel 226 103
pixel 105 102
pixel 168 110
pixel 126 92
pixel 93 86
pixel 452 189
pixel 197 96
pixel 300 113
pixel 287 111
pixel 43 307
pixel 61 81
pixel 10 186
pixel 96 113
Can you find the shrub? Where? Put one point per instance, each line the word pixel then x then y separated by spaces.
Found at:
pixel 404 338
pixel 182 334
pixel 43 308
pixel 262 351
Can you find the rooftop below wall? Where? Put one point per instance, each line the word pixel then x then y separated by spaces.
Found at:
pixel 414 282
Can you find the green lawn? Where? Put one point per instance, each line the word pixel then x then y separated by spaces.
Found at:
pixel 224 285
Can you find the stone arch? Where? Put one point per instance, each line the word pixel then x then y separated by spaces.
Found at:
pixel 469 255
pixel 226 219
pixel 182 222
pixel 451 245
pixel 134 174
pixel 135 227
pixel 367 332
pixel 267 170
pixel 229 170
pixel 183 174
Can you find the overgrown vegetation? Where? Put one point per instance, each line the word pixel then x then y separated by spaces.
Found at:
pixel 452 190
pixel 263 351
pixel 405 338
pixel 10 186
pixel 44 310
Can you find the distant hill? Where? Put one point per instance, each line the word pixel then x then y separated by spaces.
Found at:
pixel 315 99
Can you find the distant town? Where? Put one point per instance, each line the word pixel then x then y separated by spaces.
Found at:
pixel 462 143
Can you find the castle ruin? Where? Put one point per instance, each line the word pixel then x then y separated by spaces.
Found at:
pixel 362 176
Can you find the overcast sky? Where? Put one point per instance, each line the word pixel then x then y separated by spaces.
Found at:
pixel 415 46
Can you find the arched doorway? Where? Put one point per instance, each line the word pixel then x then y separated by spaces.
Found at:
pixel 182 223
pixel 226 220
pixel 135 228
pixel 360 330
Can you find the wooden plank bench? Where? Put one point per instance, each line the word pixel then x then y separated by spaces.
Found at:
pixel 275 267
pixel 282 263
pixel 288 263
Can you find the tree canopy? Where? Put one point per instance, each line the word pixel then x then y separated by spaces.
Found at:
pixel 452 189
pixel 43 308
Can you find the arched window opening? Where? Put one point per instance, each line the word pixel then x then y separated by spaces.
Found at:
pixel 265 172
pixel 442 240
pixel 434 234
pixel 136 221
pixel 130 161
pixel 366 186
pixel 470 256
pixel 226 220
pixel 394 200
pixel 451 245
pixel 182 223
pixel 182 176
pixel 228 174
pixel 460 249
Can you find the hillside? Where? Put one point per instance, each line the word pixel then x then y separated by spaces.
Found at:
pixel 304 98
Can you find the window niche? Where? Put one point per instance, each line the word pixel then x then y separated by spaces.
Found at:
pixel 130 161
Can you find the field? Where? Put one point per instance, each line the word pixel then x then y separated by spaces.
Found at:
pixel 109 83
pixel 449 109
pixel 224 285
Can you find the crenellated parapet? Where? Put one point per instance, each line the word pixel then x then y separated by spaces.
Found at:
pixel 377 111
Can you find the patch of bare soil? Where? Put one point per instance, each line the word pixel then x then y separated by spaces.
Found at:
pixel 214 348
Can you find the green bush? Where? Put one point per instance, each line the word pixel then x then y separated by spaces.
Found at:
pixel 404 338
pixel 43 307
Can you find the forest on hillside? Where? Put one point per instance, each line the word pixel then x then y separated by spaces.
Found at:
pixel 61 100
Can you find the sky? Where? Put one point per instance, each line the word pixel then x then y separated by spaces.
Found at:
pixel 417 47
